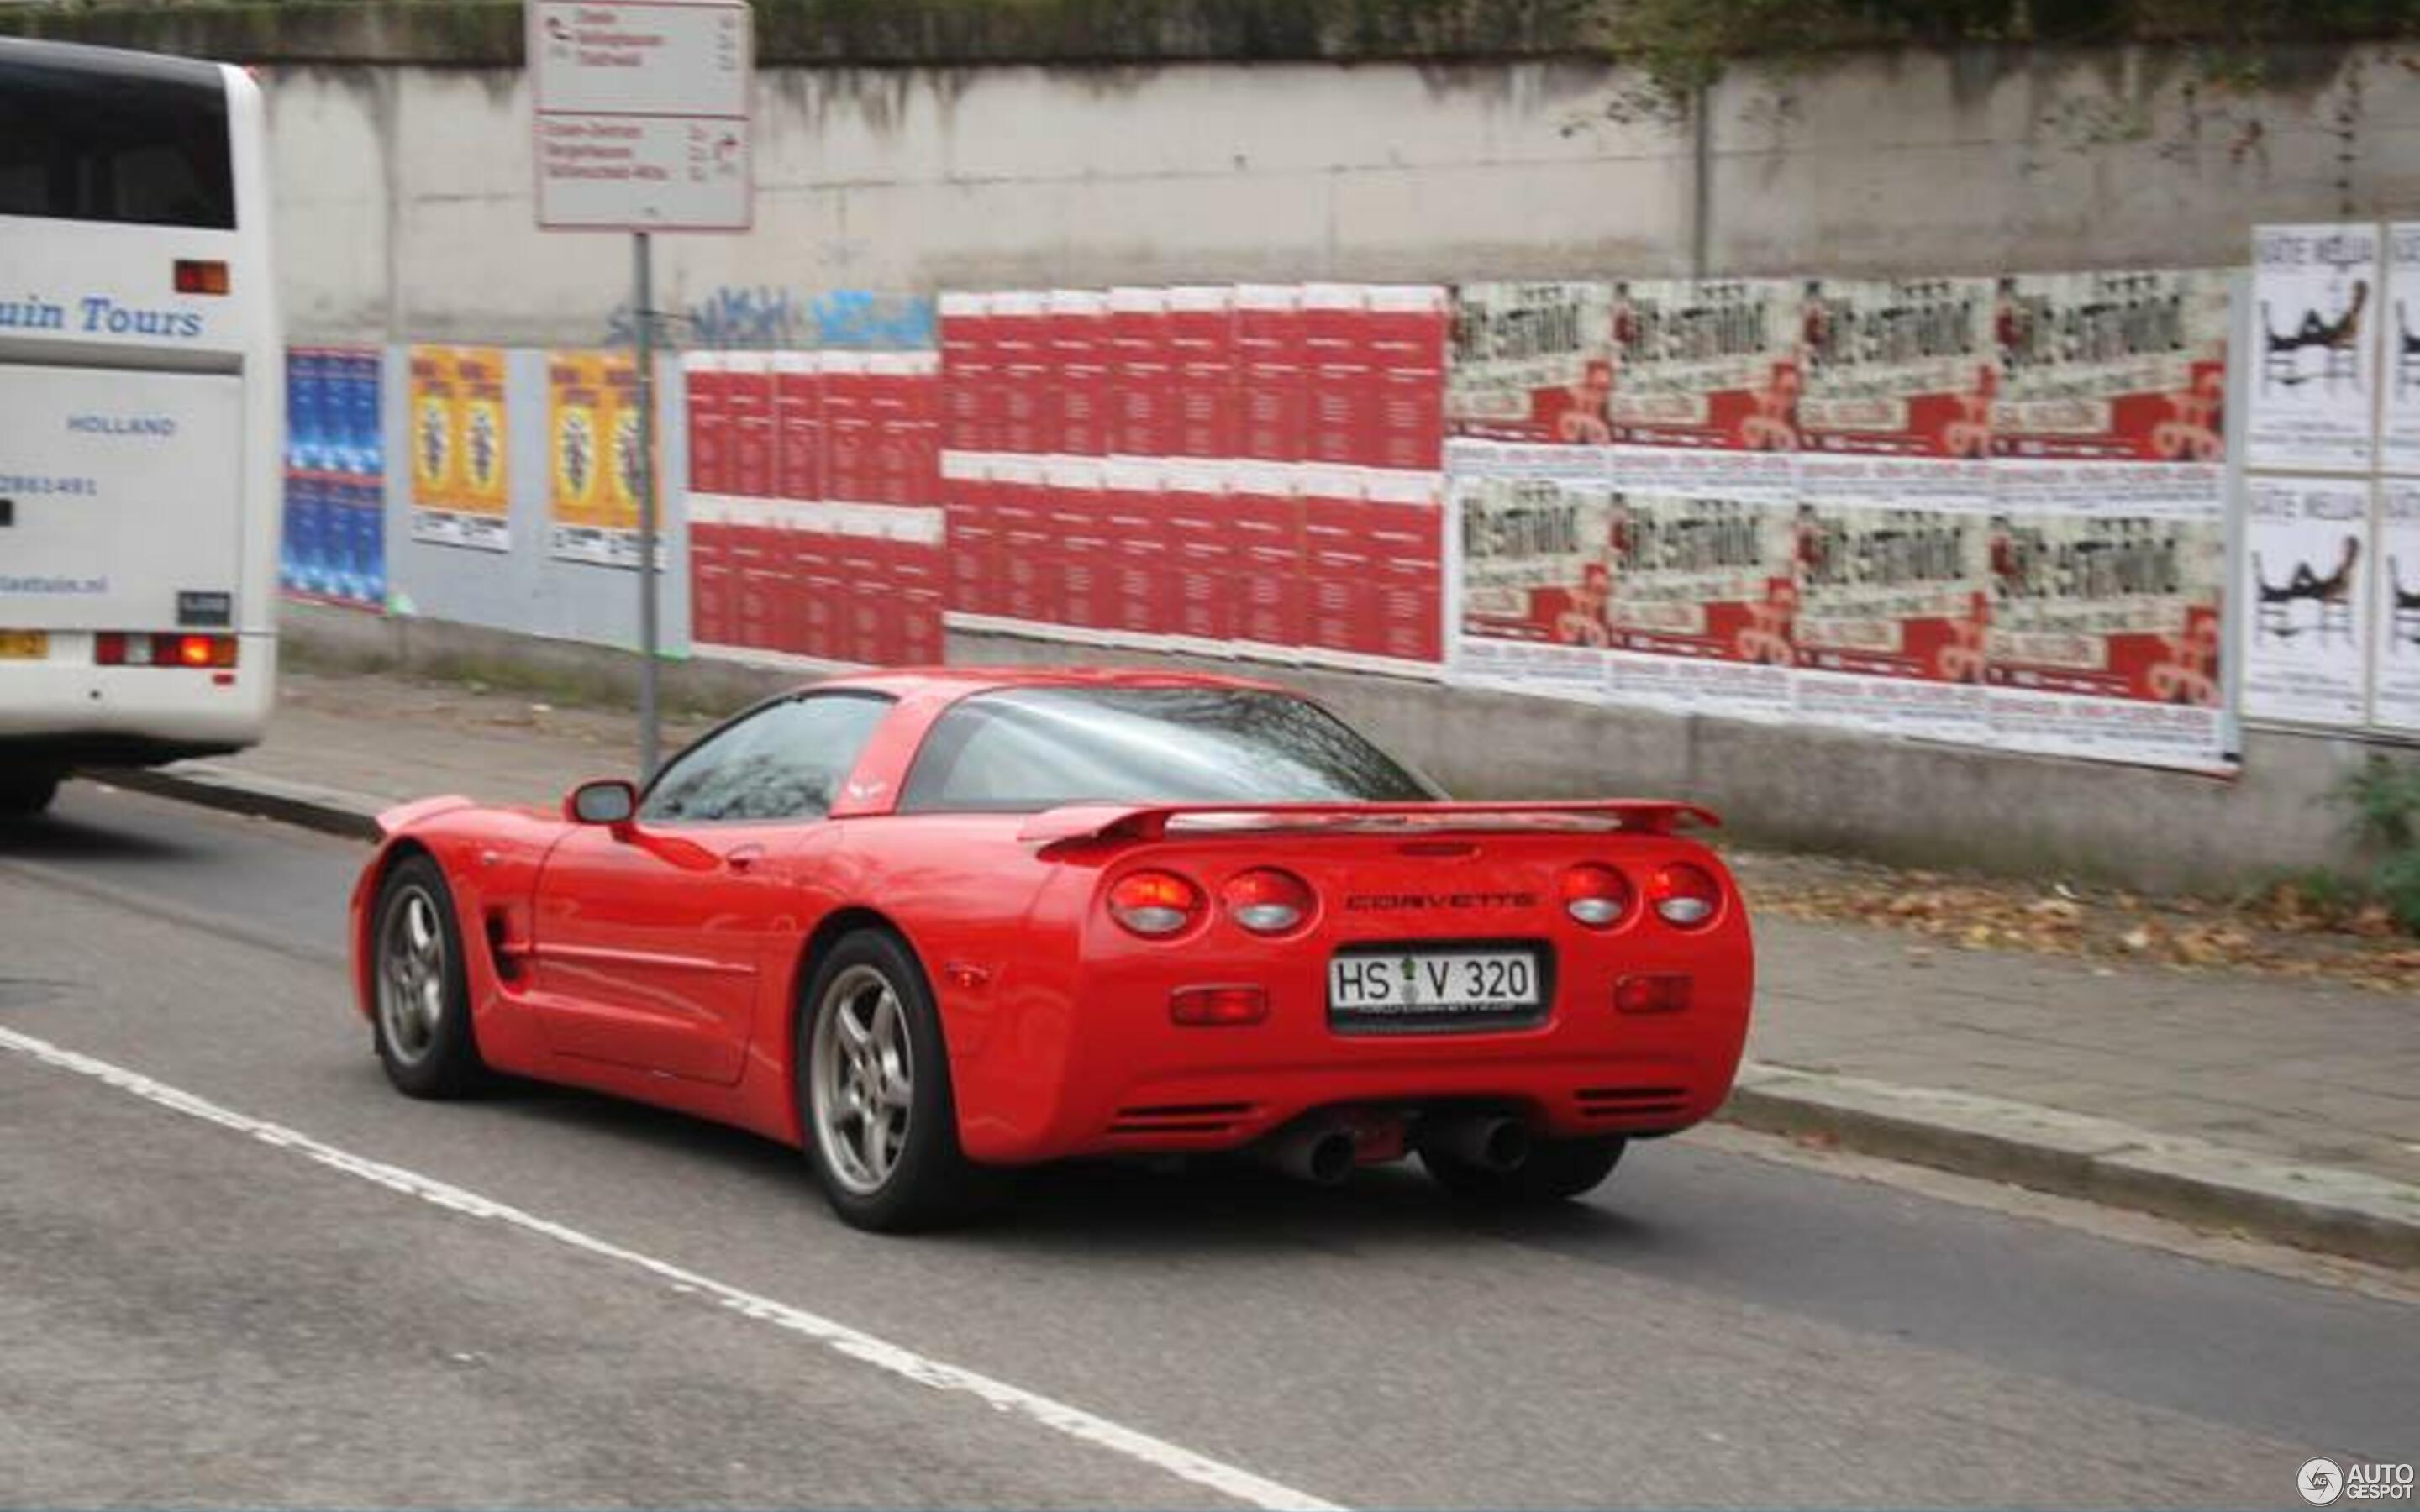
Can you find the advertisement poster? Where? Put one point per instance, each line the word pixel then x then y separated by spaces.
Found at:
pixel 2306 599
pixel 2106 589
pixel 1893 609
pixel 1535 582
pixel 332 545
pixel 591 426
pixel 2398 442
pixel 1702 597
pixel 2112 366
pixel 1898 367
pixel 2394 661
pixel 2315 302
pixel 1706 364
pixel 1531 362
pixel 458 488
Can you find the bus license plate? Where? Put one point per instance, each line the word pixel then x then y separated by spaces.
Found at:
pixel 24 645
pixel 1379 991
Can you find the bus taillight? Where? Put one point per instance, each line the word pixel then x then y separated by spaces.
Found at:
pixel 125 648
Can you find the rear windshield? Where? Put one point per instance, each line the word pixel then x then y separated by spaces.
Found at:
pixel 1026 750
pixel 141 142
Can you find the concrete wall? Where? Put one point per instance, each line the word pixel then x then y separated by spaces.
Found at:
pixel 404 191
pixel 1915 805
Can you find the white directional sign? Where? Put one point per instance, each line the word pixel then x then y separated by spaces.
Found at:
pixel 641 113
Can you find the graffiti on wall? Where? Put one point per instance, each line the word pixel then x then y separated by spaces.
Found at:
pixel 766 318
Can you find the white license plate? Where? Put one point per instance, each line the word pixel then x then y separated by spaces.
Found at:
pixel 1409 987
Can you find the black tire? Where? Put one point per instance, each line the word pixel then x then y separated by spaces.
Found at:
pixel 24 794
pixel 425 1041
pixel 1556 1170
pixel 893 1180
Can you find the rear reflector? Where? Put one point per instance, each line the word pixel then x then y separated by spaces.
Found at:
pixel 1651 994
pixel 199 277
pixel 1206 1006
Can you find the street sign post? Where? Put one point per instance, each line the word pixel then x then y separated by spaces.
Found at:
pixel 641 124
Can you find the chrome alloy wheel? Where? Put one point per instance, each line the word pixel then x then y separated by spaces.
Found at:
pixel 410 974
pixel 862 1083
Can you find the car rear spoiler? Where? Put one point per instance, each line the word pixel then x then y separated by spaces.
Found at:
pixel 1083 823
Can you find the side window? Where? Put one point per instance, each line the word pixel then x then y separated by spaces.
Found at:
pixel 786 760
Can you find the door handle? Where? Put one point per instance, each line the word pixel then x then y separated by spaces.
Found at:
pixel 744 857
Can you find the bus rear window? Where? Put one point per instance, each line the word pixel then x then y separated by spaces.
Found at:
pixel 139 144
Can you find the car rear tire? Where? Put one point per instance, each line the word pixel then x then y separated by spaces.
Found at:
pixel 420 1019
pixel 24 794
pixel 1556 1170
pixel 871 1079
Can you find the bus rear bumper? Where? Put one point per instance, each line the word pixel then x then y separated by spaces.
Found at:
pixel 64 710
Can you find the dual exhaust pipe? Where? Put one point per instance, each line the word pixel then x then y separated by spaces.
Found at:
pixel 1322 1151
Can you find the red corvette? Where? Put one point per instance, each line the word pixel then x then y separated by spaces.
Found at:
pixel 924 924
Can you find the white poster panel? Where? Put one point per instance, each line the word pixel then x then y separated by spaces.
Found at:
pixel 2305 592
pixel 1530 361
pixel 1534 582
pixel 2395 686
pixel 2316 307
pixel 2398 377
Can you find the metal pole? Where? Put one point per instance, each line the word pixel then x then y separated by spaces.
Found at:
pixel 643 274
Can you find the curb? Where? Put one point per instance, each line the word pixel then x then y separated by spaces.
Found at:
pixel 2106 1161
pixel 328 810
pixel 2100 1160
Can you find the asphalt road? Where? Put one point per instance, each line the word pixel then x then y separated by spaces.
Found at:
pixel 547 1299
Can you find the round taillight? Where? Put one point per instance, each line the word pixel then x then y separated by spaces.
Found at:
pixel 1154 905
pixel 1596 896
pixel 1267 902
pixel 1684 895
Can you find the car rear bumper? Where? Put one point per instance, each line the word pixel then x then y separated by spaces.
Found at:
pixel 1125 1079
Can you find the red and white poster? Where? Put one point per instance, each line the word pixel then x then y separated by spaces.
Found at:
pixel 1343 426
pixel 1897 367
pixel 2394 659
pixel 1196 552
pixel 798 424
pixel 1406 515
pixel 2316 310
pixel 1264 502
pixel 1082 352
pixel 1530 361
pixel 1894 606
pixel 2306 599
pixel 1201 370
pixel 747 399
pixel 1142 391
pixel 973 534
pixel 1707 363
pixel 1405 336
pixel 1275 387
pixel 2113 367
pixel 704 380
pixel 1022 358
pixel 1534 582
pixel 972 419
pixel 2107 581
pixel 1702 601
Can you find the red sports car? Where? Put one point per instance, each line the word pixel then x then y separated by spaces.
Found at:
pixel 926 924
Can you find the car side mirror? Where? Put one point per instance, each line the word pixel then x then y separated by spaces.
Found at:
pixel 606 801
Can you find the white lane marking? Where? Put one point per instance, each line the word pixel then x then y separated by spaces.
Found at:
pixel 1059 1416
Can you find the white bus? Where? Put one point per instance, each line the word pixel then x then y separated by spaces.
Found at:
pixel 142 414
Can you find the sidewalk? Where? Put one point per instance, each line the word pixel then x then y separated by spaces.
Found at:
pixel 2283 1106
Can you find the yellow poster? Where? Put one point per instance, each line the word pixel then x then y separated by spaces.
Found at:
pixel 458 491
pixel 592 442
